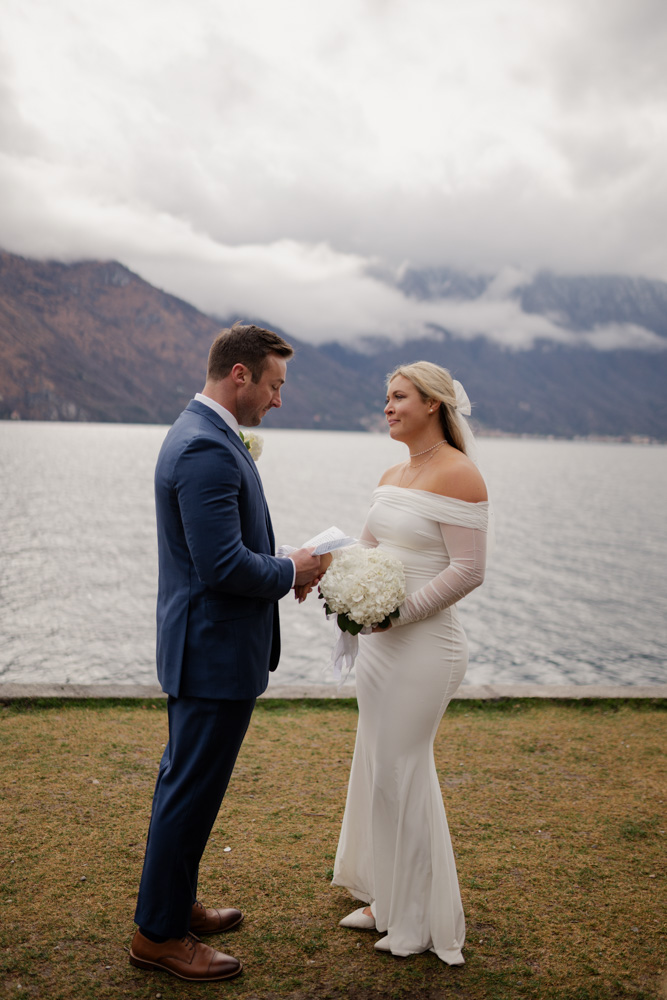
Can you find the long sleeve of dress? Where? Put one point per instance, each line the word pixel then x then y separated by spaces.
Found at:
pixel 467 562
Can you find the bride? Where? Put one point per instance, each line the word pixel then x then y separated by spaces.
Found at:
pixel 431 511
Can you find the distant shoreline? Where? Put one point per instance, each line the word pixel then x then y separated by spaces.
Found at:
pixel 480 432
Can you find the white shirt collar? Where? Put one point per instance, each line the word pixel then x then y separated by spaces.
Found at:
pixel 228 417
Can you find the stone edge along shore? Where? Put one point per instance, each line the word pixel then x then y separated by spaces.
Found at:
pixel 482 692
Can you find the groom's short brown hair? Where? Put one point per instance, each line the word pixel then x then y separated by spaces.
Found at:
pixel 245 345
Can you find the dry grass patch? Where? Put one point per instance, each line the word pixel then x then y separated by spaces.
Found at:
pixel 557 813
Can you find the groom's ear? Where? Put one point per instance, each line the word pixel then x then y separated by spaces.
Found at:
pixel 240 375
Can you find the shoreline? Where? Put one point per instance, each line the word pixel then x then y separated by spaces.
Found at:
pixel 293 692
pixel 480 432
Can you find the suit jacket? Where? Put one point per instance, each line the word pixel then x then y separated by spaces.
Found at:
pixel 219 582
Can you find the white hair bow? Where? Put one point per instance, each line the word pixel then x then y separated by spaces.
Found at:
pixel 462 401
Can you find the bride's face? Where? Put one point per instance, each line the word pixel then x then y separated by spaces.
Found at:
pixel 406 411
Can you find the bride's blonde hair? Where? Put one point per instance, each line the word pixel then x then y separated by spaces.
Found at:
pixel 433 382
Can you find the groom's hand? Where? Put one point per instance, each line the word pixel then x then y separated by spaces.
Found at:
pixel 307 566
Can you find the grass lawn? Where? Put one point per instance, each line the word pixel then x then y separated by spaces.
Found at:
pixel 556 810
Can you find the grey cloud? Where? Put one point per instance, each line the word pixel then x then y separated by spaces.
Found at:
pixel 613 51
pixel 623 336
pixel 201 165
pixel 345 298
pixel 601 154
pixel 522 221
pixel 16 135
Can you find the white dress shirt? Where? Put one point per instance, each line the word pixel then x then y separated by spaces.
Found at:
pixel 232 422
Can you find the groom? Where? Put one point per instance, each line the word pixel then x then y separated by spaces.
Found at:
pixel 217 638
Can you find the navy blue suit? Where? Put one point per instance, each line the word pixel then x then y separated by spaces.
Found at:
pixel 217 638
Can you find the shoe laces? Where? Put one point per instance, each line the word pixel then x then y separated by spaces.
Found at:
pixel 190 941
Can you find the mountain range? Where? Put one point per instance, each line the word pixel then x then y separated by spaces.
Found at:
pixel 93 341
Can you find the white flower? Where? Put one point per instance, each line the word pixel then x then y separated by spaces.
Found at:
pixel 363 587
pixel 253 442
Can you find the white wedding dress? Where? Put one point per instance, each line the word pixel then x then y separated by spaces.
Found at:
pixel 395 851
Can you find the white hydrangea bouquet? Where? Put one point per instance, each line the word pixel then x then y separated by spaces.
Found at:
pixel 253 442
pixel 363 587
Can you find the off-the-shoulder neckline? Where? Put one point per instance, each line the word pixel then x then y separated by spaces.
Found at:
pixel 429 493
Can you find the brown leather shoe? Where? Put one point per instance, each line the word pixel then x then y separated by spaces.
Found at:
pixel 187 958
pixel 204 920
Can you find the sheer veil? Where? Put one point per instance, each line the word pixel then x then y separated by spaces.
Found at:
pixel 463 411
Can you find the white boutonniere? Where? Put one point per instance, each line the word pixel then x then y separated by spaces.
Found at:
pixel 253 442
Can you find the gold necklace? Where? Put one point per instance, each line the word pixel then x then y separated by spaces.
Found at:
pixel 409 465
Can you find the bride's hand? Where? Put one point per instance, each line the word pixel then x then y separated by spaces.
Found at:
pixel 325 562
pixel 301 593
pixel 377 628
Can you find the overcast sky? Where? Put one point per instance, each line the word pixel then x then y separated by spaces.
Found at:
pixel 257 157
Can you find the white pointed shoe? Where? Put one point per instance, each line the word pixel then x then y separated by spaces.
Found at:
pixel 359 920
pixel 383 944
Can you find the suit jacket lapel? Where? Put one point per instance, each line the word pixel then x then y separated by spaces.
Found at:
pixel 236 442
pixel 215 418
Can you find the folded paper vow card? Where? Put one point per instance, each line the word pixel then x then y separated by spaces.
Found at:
pixel 328 540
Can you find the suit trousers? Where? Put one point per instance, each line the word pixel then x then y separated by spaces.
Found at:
pixel 205 736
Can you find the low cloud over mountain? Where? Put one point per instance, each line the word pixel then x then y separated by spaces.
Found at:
pixel 323 295
pixel 541 354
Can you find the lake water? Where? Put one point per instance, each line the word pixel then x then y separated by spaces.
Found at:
pixel 575 592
